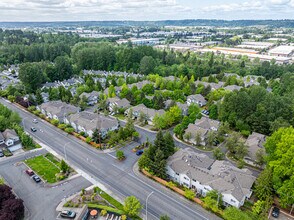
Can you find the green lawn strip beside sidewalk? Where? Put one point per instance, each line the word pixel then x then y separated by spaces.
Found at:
pixel 109 199
pixel 52 159
pixel 43 168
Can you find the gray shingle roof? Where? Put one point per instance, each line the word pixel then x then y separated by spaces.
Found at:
pixel 219 175
pixel 91 121
pixel 255 142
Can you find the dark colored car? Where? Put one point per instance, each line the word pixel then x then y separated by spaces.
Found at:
pixel 37 179
pixel 139 152
pixel 30 172
pixel 33 129
pixel 1 154
pixel 68 214
pixel 276 212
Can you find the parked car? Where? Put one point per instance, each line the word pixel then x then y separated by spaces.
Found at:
pixel 1 153
pixel 33 129
pixel 37 179
pixel 68 214
pixel 30 172
pixel 276 212
pixel 139 152
pixel 35 121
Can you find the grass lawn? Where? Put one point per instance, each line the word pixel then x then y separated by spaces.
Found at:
pixel 43 168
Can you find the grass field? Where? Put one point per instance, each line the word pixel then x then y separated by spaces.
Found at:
pixel 44 168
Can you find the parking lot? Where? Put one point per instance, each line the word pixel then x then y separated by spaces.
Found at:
pixel 40 199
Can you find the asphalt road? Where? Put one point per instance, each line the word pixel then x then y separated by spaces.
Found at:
pixel 39 199
pixel 112 174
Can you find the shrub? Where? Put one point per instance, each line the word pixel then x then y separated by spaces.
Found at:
pixel 82 133
pixel 11 98
pixel 103 212
pixel 189 194
pixel 245 133
pixel 88 139
pixel 62 126
pixel 54 122
pixel 32 108
pixel 170 184
pixel 123 217
pixel 37 112
pixel 69 130
pixel 120 155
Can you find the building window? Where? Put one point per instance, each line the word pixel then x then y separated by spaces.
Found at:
pixel 232 200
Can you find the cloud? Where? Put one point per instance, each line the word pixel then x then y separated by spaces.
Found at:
pixel 245 6
pixel 58 10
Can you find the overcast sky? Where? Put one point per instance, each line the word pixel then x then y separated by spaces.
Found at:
pixel 77 10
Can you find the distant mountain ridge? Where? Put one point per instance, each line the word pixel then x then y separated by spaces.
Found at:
pixel 188 22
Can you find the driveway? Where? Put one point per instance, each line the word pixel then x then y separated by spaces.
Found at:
pixel 40 201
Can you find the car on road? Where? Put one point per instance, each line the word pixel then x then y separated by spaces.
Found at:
pixel 139 152
pixel 68 214
pixel 33 129
pixel 1 153
pixel 276 212
pixel 37 179
pixel 30 172
pixel 35 121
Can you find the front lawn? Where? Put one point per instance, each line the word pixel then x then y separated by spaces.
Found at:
pixel 44 168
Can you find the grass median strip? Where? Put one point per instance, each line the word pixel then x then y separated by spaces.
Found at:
pixel 44 168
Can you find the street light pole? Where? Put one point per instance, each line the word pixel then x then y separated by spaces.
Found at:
pixel 147 203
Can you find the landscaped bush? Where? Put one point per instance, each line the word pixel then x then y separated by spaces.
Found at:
pixel 82 133
pixel 189 194
pixel 54 122
pixel 120 155
pixel 69 130
pixel 103 212
pixel 62 126
pixel 32 108
pixel 88 139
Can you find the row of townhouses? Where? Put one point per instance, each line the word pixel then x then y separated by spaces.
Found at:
pixel 203 174
pixel 84 121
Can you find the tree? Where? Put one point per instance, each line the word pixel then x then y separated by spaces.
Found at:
pixel 147 65
pixel 280 151
pixel 218 154
pixel 210 138
pixel 198 138
pixel 132 206
pixel 31 76
pixel 111 91
pixel 10 207
pixel 188 136
pixel 260 157
pixel 213 200
pixel 264 184
pixel 39 98
pixel 120 155
pixel 64 166
pixel 241 150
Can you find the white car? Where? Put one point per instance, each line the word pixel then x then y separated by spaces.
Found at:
pixel 35 121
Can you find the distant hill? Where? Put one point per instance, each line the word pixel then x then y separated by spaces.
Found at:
pixel 197 22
